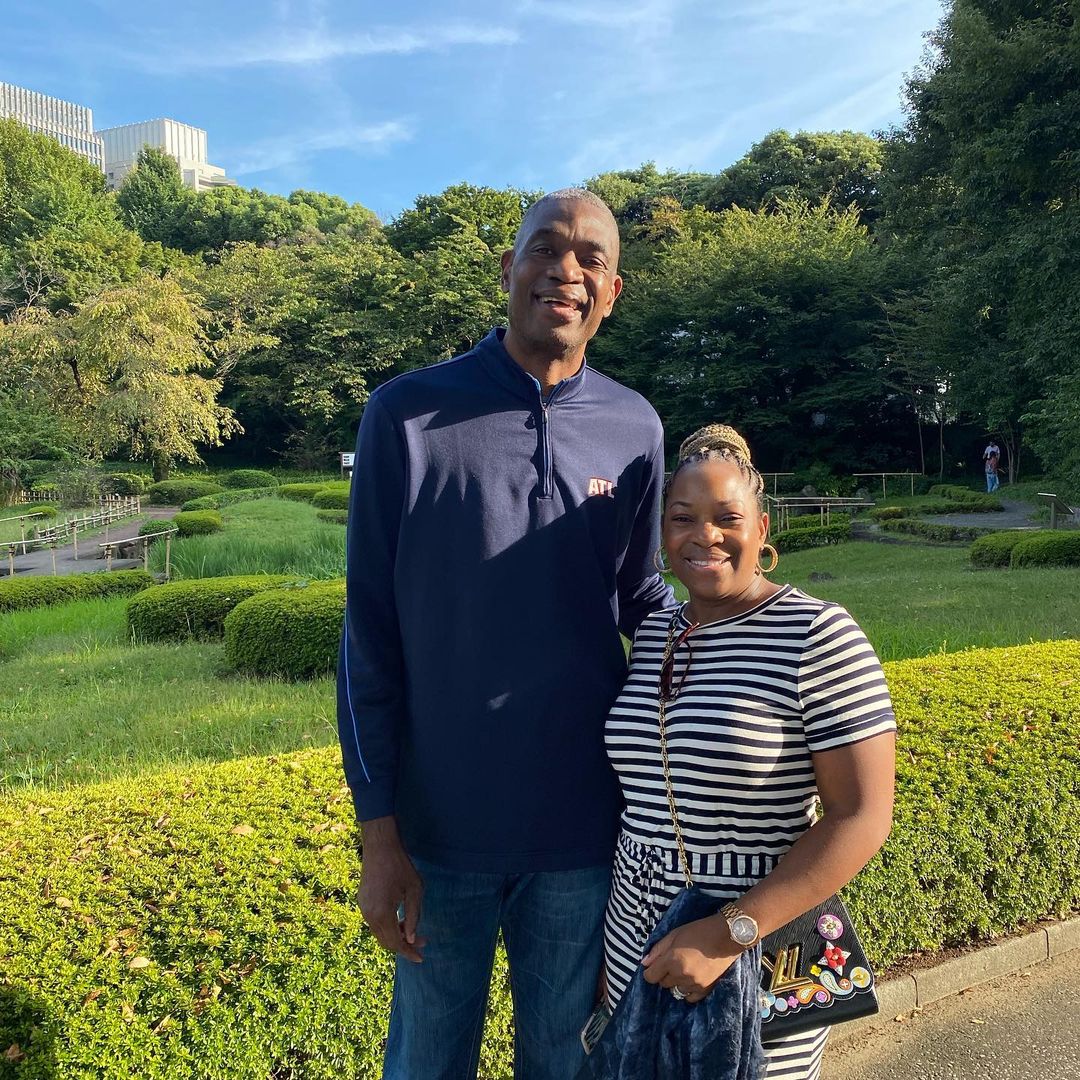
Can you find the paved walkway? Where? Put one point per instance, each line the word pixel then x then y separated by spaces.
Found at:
pixel 1021 1027
pixel 40 562
pixel 1016 515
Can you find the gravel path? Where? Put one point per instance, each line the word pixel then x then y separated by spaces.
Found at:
pixel 90 557
pixel 1016 515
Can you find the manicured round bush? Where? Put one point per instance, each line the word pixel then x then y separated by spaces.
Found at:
pixel 17 594
pixel 888 513
pixel 197 522
pixel 292 633
pixel 995 549
pixel 335 517
pixel 228 498
pixel 300 492
pixel 331 498
pixel 157 525
pixel 820 536
pixel 127 483
pixel 1047 549
pixel 249 478
pixel 175 492
pixel 195 608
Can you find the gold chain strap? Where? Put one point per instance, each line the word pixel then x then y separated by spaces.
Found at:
pixel 683 860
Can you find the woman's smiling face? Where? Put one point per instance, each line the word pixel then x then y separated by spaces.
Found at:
pixel 714 530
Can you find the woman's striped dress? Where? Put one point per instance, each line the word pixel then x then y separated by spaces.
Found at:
pixel 763 690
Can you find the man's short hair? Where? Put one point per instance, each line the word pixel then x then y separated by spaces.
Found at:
pixel 570 194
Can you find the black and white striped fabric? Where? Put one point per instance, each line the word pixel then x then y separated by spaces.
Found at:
pixel 757 695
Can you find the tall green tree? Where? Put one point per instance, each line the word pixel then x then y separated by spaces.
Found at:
pixel 153 196
pixel 983 188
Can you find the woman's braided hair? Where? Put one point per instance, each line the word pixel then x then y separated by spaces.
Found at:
pixel 719 442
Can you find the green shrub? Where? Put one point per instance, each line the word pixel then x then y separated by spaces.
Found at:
pixel 47 509
pixel 249 478
pixel 155 525
pixel 799 539
pixel 942 534
pixel 175 492
pixel 335 517
pixel 292 633
pixel 888 513
pixel 197 522
pixel 995 549
pixel 16 594
pixel 127 483
pixel 236 883
pixel 971 502
pixel 195 608
pixel 300 492
pixel 228 498
pixel 1047 549
pixel 813 521
pixel 331 498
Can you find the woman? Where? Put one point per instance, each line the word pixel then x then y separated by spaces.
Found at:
pixel 774 699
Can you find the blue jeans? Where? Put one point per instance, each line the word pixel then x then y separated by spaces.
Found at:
pixel 992 482
pixel 553 927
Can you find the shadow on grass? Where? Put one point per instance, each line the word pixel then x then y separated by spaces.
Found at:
pixel 26 1050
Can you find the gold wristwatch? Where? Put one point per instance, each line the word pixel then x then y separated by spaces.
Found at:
pixel 743 928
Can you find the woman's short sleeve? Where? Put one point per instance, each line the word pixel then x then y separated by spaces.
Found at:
pixel 842 688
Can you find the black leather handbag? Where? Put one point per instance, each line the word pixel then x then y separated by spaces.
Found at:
pixel 814 972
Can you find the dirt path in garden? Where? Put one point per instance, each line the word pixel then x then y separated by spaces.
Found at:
pixel 90 555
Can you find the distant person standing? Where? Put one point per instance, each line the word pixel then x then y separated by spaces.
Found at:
pixel 991 457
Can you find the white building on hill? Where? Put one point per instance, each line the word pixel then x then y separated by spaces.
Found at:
pixel 67 123
pixel 185 143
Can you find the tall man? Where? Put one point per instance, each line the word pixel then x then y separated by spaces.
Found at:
pixel 504 517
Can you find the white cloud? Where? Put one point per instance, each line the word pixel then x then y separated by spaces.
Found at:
pixel 861 109
pixel 609 15
pixel 284 150
pixel 806 16
pixel 306 46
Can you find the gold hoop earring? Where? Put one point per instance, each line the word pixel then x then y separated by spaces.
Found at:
pixel 775 559
pixel 660 568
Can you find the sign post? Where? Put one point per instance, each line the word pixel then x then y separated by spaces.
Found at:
pixel 346 464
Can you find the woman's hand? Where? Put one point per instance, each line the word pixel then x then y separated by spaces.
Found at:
pixel 693 958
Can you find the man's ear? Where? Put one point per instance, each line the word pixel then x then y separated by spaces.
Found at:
pixel 507 265
pixel 616 289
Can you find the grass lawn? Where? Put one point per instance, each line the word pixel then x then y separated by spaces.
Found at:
pixel 266 536
pixel 913 600
pixel 78 703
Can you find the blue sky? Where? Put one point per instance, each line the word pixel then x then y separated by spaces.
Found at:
pixel 382 102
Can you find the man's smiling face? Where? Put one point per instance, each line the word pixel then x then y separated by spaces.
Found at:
pixel 562 276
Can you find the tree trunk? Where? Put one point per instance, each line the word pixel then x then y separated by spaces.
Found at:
pixel 161 466
pixel 941 446
pixel 922 445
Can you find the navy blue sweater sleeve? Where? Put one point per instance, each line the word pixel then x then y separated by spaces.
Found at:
pixel 641 589
pixel 371 685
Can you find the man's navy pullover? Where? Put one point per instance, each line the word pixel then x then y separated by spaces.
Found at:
pixel 497 544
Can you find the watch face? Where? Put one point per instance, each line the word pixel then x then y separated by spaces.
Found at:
pixel 744 930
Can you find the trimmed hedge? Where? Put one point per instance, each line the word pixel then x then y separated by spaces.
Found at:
pixel 819 536
pixel 888 513
pixel 1047 549
pixel 47 509
pixel 335 517
pixel 995 549
pixel 941 534
pixel 127 483
pixel 331 498
pixel 300 492
pixel 153 526
pixel 972 502
pixel 17 594
pixel 195 608
pixel 228 498
pixel 198 522
pixel 813 521
pixel 175 492
pixel 201 921
pixel 248 478
pixel 291 633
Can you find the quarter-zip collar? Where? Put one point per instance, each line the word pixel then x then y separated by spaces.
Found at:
pixel 505 370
